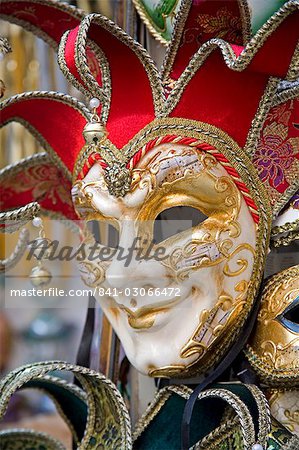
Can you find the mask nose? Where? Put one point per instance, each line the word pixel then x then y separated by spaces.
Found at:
pixel 131 268
pixel 136 275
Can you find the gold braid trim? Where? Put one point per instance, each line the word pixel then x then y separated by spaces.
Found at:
pixel 140 52
pixel 145 19
pixel 108 151
pixel 178 29
pixel 32 28
pixel 292 74
pixel 287 94
pixel 213 440
pixel 104 92
pixel 285 241
pixel 73 389
pixel 242 411
pixel 20 248
pixel 233 62
pixel 12 436
pixel 177 32
pixel 288 226
pixel 16 379
pixel 22 213
pixel 264 414
pixel 246 20
pixel 59 97
pixel 71 10
pixel 30 161
pixel 155 406
pixel 64 68
pixel 4 46
pixel 94 90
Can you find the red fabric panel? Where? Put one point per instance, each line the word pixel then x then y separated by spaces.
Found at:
pixel 229 99
pixel 59 124
pixel 42 183
pixel 131 106
pixel 69 55
pixel 208 19
pixel 237 49
pixel 94 66
pixel 275 56
pixel 222 97
pixel 49 18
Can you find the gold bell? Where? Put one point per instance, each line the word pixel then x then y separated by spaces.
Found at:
pixel 40 276
pixel 94 133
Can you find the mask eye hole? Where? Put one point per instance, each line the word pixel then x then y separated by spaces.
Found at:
pixel 104 233
pixel 293 314
pixel 173 221
pixel 113 237
pixel 290 317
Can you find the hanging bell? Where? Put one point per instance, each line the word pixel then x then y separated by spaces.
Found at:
pixel 40 276
pixel 94 133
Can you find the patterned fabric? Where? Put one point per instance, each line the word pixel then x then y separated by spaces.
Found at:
pixel 279 437
pixel 149 12
pixel 277 153
pixel 28 440
pixel 37 179
pixel 45 182
pixel 107 425
pixel 224 24
pixel 105 434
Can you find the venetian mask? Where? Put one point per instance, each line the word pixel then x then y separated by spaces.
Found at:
pixel 171 312
pixel 273 349
pixel 179 163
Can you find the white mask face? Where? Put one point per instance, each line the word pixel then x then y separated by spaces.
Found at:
pixel 172 302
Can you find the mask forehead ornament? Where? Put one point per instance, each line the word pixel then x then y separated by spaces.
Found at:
pixel 147 149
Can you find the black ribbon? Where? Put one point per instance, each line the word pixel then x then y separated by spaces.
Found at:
pixel 84 351
pixel 215 374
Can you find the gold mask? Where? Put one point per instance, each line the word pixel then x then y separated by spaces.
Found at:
pixel 212 264
pixel 273 348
